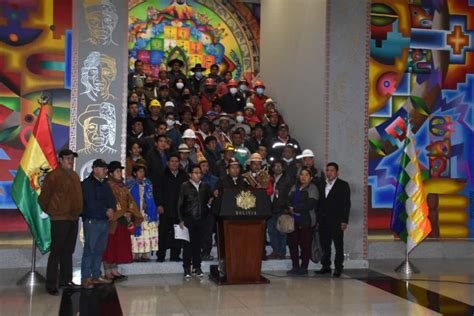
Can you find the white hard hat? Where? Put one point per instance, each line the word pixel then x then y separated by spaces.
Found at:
pixel 306 153
pixel 183 148
pixel 189 133
pixel 169 103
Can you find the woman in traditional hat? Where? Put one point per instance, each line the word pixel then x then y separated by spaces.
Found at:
pixel 125 218
pixel 145 238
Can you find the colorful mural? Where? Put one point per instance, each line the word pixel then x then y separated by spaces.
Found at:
pixel 422 67
pixel 35 51
pixel 205 31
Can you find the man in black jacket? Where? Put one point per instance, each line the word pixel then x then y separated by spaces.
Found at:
pixel 279 198
pixel 169 184
pixel 136 134
pixel 195 82
pixel 211 153
pixel 175 72
pixel 333 218
pixel 232 101
pixel 282 140
pixel 156 160
pixel 231 180
pixel 193 209
pixel 257 139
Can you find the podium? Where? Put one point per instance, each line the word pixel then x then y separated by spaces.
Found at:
pixel 241 237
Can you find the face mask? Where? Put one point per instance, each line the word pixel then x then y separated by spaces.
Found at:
pixel 149 85
pixel 243 87
pixel 198 75
pixel 169 122
pixel 260 90
pixel 233 90
pixel 211 90
pixel 186 96
pixel 239 118
pixel 180 85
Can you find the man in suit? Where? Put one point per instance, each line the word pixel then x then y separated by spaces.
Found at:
pixel 333 218
pixel 169 185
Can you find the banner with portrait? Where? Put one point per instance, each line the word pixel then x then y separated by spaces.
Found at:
pixel 99 81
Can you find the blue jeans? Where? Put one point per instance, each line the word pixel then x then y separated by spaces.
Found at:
pixel 96 233
pixel 277 239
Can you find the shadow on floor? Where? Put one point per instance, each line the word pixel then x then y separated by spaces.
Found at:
pixel 102 300
pixel 411 292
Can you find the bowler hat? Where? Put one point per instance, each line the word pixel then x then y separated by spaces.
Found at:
pixel 198 67
pixel 99 163
pixel 114 165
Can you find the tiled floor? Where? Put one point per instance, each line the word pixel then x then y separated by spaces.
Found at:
pixel 170 294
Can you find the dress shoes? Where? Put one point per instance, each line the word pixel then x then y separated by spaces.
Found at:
pixel 302 272
pixel 87 284
pixel 337 273
pixel 53 291
pixel 274 256
pixel 101 280
pixel 177 259
pixel 323 271
pixel 292 272
pixel 207 258
pixel 120 277
pixel 70 285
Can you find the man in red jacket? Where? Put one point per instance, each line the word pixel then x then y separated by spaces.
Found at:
pixel 259 98
pixel 209 96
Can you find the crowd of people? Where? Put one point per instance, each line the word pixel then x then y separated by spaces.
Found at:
pixel 190 138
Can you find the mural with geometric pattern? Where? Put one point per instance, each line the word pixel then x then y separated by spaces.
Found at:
pixel 207 32
pixel 35 38
pixel 422 67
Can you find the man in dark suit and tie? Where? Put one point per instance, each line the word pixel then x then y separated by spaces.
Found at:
pixel 333 218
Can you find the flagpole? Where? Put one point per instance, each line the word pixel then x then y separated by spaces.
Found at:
pixel 406 267
pixel 410 189
pixel 32 277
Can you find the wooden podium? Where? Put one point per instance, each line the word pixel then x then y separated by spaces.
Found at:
pixel 241 240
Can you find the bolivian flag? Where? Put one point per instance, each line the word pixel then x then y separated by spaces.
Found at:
pixel 38 159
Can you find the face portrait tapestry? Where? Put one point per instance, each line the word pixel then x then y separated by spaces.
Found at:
pixel 98 100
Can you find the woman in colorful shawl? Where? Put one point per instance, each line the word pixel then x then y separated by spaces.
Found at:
pixel 145 238
pixel 119 246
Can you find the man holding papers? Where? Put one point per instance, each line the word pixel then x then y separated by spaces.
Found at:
pixel 193 209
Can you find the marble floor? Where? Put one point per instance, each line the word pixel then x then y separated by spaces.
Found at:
pixel 171 294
